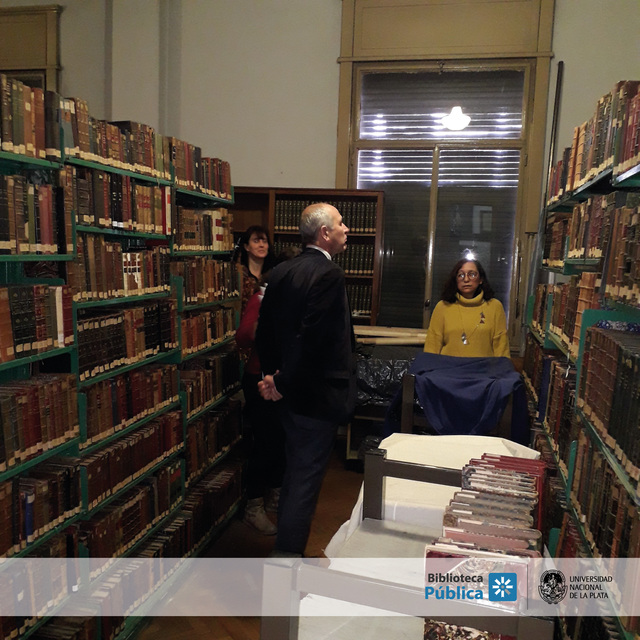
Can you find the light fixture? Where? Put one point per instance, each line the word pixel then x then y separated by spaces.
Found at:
pixel 456 120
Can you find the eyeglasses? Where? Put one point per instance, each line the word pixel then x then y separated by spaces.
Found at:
pixel 472 275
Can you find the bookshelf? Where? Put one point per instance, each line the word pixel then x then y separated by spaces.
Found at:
pixel 279 211
pixel 582 350
pixel 117 355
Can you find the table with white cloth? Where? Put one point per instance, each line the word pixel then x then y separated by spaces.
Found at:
pixel 412 517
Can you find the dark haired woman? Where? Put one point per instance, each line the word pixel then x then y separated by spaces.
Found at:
pixel 468 321
pixel 256 259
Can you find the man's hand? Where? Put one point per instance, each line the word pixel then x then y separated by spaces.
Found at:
pixel 267 389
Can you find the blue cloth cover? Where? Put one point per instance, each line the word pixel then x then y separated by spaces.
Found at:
pixel 467 396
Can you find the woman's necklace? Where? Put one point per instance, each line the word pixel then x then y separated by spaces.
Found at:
pixel 464 337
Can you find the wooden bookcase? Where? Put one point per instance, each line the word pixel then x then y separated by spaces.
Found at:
pixel 279 209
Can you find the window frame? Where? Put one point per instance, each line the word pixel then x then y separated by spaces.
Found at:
pixel 531 146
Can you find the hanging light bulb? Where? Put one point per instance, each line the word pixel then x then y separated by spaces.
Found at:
pixel 456 120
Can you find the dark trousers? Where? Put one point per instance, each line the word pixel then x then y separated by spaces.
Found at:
pixel 309 443
pixel 266 463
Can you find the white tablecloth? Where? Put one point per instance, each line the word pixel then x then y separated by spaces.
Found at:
pixel 420 503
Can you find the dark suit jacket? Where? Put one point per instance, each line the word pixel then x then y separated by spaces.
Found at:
pixel 304 332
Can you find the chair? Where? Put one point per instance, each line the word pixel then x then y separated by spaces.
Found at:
pixel 413 419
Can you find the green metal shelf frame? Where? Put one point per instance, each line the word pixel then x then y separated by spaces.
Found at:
pixel 141 177
pixel 22 467
pixel 86 513
pixel 201 352
pixel 45 355
pixel 192 254
pixel 189 193
pixel 159 357
pixel 561 346
pixel 47 536
pixel 628 178
pixel 121 233
pixel 110 302
pixel 215 303
pixel 599 184
pixel 27 162
pixel 36 257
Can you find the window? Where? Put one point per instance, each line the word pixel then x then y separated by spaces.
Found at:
pixel 446 192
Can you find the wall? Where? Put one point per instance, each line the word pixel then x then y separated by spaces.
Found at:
pixel 251 81
pixel 256 81
pixel 599 44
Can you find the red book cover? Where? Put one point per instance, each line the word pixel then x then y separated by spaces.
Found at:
pixel 7 352
pixel 45 220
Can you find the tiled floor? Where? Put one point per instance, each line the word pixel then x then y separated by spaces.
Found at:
pixel 339 493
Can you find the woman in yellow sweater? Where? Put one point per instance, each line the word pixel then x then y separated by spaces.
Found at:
pixel 468 321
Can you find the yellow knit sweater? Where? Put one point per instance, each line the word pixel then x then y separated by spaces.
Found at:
pixel 482 321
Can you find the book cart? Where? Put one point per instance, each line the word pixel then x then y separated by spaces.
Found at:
pixel 120 340
pixel 582 349
pixel 309 596
pixel 362 211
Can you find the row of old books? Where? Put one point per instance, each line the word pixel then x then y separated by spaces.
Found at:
pixel 206 378
pixel 608 139
pixel 42 124
pixel 621 272
pixel 569 301
pixel 598 224
pixel 113 530
pixel 210 435
pixel 111 600
pixel 113 201
pixel 34 319
pixel 359 216
pixel 608 511
pixel 552 382
pixel 564 304
pixel 211 176
pixel 203 230
pixel 114 466
pixel 206 280
pixel 104 270
pixel 30 507
pixel 609 514
pixel 124 399
pixel 36 415
pixel 42 586
pixel 554 498
pixel 31 222
pixel 203 330
pixel 609 392
pixel 555 240
pixel 359 299
pixel 124 337
pixel 358 260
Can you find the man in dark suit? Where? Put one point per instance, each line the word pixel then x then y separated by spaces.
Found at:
pixel 305 343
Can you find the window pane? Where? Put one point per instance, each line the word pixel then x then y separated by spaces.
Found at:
pixel 477 192
pixel 410 106
pixel 405 177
